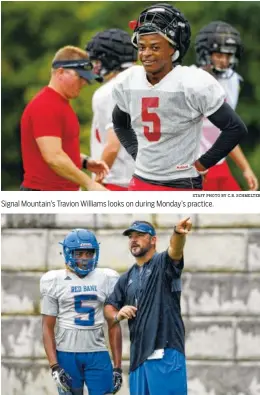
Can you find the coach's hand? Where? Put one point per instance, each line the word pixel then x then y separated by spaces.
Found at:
pixel 61 378
pixel 117 379
pixel 99 167
pixel 126 312
pixel 183 227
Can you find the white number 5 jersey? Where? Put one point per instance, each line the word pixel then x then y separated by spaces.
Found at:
pixel 167 118
pixel 78 305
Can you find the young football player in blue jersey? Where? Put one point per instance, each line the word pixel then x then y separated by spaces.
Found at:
pixel 148 296
pixel 72 299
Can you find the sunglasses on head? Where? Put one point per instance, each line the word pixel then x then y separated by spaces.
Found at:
pixel 73 64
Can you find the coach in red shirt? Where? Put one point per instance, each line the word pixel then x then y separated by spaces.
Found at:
pixel 50 130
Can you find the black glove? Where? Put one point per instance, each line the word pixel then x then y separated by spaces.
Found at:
pixel 61 378
pixel 117 379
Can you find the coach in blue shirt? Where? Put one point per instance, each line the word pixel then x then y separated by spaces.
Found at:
pixel 148 295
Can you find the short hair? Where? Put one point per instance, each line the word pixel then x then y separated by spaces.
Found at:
pixel 69 52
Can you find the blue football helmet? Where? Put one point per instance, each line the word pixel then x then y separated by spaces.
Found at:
pixel 80 239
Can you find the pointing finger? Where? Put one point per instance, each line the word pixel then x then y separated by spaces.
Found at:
pixel 184 221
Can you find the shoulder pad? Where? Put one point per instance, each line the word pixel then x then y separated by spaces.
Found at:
pixel 128 72
pixel 110 272
pixel 51 276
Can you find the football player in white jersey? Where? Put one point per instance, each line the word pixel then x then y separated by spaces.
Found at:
pixel 113 52
pixel 160 107
pixel 72 299
pixel 218 50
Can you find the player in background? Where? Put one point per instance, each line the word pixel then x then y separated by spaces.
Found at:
pixel 218 50
pixel 112 52
pixel 160 107
pixel 72 299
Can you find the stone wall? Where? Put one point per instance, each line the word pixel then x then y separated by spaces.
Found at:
pixel 220 300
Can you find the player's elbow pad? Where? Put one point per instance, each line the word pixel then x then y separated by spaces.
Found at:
pixel 124 131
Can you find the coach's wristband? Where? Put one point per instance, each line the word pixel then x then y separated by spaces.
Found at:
pixel 175 231
pixel 85 162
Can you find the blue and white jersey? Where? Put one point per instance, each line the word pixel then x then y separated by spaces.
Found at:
pixel 78 305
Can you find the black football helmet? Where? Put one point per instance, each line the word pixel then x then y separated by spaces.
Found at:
pixel 113 48
pixel 164 19
pixel 219 37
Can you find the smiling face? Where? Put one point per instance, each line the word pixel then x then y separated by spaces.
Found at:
pixel 155 53
pixel 140 243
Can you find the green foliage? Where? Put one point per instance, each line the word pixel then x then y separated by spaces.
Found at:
pixel 33 31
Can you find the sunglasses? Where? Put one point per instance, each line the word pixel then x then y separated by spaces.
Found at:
pixel 73 64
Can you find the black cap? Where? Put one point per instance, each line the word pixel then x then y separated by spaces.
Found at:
pixel 82 66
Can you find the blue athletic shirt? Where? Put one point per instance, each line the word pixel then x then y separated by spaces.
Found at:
pixel 155 289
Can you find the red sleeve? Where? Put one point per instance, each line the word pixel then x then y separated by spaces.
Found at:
pixel 46 121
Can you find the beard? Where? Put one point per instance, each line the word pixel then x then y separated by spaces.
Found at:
pixel 140 252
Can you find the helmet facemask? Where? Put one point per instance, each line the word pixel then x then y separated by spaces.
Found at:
pixel 81 251
pixel 167 21
pixel 218 37
pixel 81 266
pixel 233 61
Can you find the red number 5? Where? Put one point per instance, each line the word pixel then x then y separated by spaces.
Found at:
pixel 152 133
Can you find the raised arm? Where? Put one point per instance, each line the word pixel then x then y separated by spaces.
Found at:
pixel 178 239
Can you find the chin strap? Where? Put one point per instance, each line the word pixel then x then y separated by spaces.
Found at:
pixel 222 73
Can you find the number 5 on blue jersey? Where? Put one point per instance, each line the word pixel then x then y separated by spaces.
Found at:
pixel 79 308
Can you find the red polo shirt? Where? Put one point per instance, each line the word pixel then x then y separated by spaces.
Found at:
pixel 48 114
